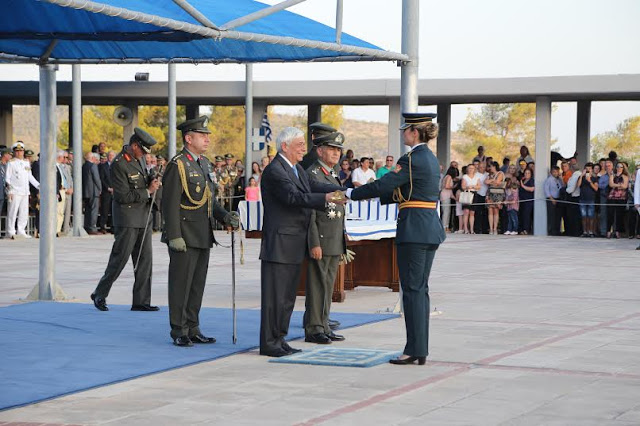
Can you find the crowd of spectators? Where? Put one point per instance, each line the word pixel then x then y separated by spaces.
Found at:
pixel 591 200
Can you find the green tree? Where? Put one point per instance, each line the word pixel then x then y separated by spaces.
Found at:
pixel 625 141
pixel 500 128
pixel 227 131
pixel 332 115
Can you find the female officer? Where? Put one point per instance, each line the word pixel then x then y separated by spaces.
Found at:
pixel 419 231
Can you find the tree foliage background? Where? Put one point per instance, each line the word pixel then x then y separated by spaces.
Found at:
pixel 501 128
pixel 625 141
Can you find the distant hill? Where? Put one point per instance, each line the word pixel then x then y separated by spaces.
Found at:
pixel 364 137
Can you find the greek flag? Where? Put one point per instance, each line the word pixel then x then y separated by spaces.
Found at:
pixel 265 128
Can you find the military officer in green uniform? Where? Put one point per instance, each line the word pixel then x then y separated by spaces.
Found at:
pixel 229 179
pixel 419 230
pixel 189 209
pixel 327 244
pixel 317 130
pixel 132 193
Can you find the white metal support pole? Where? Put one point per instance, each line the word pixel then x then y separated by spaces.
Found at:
pixel 173 110
pixel 76 120
pixel 409 69
pixel 543 160
pixel 339 13
pixel 248 120
pixel 46 288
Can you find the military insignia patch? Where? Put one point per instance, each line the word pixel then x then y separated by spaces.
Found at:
pixel 331 214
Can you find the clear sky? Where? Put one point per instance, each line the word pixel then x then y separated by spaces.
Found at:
pixel 458 39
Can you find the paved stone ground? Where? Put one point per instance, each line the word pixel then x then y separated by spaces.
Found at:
pixel 532 331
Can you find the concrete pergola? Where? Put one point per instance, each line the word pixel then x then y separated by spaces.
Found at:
pixel 441 92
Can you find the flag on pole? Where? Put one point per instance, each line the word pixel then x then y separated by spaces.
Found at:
pixel 265 128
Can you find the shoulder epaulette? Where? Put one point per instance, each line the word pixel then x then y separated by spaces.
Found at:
pixel 176 158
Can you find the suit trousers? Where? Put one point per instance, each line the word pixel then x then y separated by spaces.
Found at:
pixel 18 207
pixel 128 242
pixel 414 266
pixel 321 276
pixel 553 218
pixel 91 206
pixel 105 209
pixel 60 210
pixel 187 278
pixel 279 284
pixel 66 224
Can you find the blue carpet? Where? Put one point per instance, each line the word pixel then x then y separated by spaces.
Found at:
pixel 53 349
pixel 339 357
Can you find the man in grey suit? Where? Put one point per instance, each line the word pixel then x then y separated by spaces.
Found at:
pixel 133 190
pixel 91 188
pixel 68 174
pixel 327 243
pixel 288 195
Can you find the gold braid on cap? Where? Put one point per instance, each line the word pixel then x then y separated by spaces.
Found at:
pixel 206 196
pixel 397 193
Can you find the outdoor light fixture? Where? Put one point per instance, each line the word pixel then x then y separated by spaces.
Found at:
pixel 142 76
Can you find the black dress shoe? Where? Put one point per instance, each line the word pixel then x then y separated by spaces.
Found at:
pixel 201 338
pixel 319 338
pixel 277 353
pixel 289 349
pixel 145 308
pixel 99 302
pixel 333 324
pixel 335 337
pixel 183 341
pixel 410 360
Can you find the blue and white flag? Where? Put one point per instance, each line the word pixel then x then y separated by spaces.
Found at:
pixel 265 128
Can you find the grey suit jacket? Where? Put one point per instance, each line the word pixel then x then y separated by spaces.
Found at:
pixel 91 185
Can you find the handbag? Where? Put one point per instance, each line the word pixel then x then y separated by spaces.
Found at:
pixel 466 197
pixel 617 194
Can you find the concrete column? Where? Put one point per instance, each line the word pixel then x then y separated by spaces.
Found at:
pixel 543 152
pixel 192 111
pixel 314 114
pixel 6 125
pixel 583 132
pixel 128 130
pixel 444 135
pixel 394 134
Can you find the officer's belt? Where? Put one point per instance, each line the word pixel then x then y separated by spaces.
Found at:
pixel 418 205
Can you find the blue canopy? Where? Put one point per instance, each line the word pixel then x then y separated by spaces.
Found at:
pixel 29 29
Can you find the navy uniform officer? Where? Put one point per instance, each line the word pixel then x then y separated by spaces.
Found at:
pixel 317 130
pixel 132 193
pixel 419 230
pixel 189 208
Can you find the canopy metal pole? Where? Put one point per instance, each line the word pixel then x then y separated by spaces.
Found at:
pixel 339 21
pixel 248 121
pixel 172 111
pixel 243 20
pixel 409 70
pixel 76 119
pixel 48 198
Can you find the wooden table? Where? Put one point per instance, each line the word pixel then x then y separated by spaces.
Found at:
pixel 375 265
